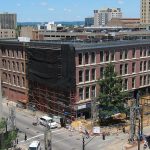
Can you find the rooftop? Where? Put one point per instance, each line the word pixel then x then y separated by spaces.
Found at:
pixel 78 44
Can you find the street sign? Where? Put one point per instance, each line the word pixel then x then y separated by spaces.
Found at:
pixel 96 129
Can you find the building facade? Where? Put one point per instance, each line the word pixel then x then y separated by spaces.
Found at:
pixel 102 16
pixel 8 21
pixel 89 21
pixel 145 9
pixel 82 64
pixel 7 34
pixel 13 71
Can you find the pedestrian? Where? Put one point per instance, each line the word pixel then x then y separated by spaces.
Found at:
pixel 17 141
pixel 103 135
pixel 7 103
pixel 25 137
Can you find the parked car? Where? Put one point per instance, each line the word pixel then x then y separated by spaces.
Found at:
pixel 45 120
pixel 35 145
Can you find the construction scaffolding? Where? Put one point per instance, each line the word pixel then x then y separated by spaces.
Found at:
pixel 51 78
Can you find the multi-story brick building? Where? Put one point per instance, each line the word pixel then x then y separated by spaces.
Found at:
pixel 13 73
pixel 131 60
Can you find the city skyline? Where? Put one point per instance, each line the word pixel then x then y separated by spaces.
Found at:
pixel 48 10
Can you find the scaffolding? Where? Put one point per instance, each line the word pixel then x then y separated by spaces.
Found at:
pixel 53 101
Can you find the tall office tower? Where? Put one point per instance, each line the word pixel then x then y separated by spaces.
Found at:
pixel 102 16
pixel 145 11
pixel 8 21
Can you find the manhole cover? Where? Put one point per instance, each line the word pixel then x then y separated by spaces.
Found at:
pixel 27 128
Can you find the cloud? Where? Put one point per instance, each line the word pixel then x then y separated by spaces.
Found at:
pixel 51 9
pixel 67 10
pixel 120 1
pixel 43 4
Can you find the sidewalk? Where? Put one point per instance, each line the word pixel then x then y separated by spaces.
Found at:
pixel 27 111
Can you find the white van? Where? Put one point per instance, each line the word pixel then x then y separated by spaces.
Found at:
pixel 44 120
pixel 35 145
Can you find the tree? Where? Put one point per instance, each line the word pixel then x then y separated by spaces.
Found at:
pixel 6 137
pixel 111 98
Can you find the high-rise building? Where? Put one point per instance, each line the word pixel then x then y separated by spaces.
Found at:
pixel 8 20
pixel 102 16
pixel 89 21
pixel 145 11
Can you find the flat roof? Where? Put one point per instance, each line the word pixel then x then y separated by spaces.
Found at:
pixel 34 144
pixel 78 44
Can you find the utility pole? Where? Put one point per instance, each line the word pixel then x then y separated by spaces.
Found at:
pixel 48 137
pixel 1 107
pixel 83 143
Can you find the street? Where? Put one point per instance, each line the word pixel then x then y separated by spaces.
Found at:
pixel 62 139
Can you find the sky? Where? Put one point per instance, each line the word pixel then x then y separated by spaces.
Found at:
pixel 65 10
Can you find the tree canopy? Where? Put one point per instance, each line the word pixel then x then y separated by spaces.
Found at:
pixel 112 97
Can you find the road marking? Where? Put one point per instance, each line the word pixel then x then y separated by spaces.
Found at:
pixel 42 135
pixel 64 139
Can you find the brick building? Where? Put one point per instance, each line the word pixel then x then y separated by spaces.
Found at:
pixel 85 66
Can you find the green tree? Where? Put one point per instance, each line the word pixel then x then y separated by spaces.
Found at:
pixel 6 137
pixel 111 98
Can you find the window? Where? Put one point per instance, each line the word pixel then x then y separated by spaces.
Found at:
pixel 125 84
pixel 21 54
pixel 107 55
pixel 3 52
pixel 145 64
pixel 9 65
pixel 4 77
pixel 133 53
pixel 17 66
pixel 13 54
pixel 87 75
pixel 141 52
pixel 86 58
pixel 17 53
pixel 149 65
pixel 144 52
pixel 133 82
pixel 14 80
pixel 8 54
pixel 121 54
pixel 4 63
pixel 144 80
pixel 149 51
pixel 101 56
pixel 121 69
pixel 80 59
pixel 23 82
pixel 18 81
pixel 141 66
pixel 80 76
pixel 141 80
pixel 9 78
pixel 126 69
pixel 87 93
pixel 93 57
pixel 112 56
pixel 126 54
pixel 93 92
pixel 93 74
pixel 22 67
pixel 13 65
pixel 102 72
pixel 148 80
pixel 133 67
pixel 81 93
